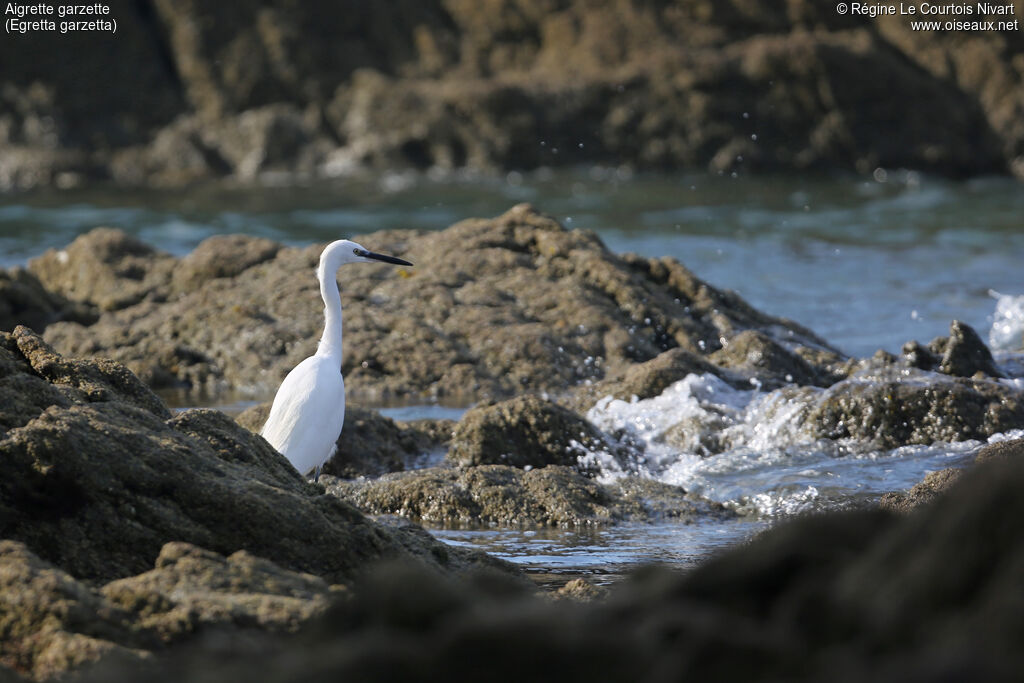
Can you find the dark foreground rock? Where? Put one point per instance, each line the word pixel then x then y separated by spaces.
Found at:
pixel 558 309
pixel 853 596
pixel 438 85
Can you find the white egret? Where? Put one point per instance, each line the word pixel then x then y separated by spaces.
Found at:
pixel 309 409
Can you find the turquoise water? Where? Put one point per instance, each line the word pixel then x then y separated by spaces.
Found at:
pixel 865 264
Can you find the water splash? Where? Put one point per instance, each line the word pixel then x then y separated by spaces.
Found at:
pixel 1007 333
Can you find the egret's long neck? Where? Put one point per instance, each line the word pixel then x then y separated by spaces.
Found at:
pixel 330 342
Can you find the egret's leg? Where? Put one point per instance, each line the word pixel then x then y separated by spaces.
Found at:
pixel 316 473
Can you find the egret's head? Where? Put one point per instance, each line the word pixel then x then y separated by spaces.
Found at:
pixel 341 252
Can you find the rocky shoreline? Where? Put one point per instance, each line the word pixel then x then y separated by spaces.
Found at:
pixel 131 531
pixel 266 96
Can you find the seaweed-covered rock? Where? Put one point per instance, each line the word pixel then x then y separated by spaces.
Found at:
pixel 894 413
pixel 558 309
pixel 371 444
pixel 101 477
pixel 508 496
pixel 524 432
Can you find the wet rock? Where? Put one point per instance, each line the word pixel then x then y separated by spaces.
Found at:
pixel 508 496
pixel 24 301
pixel 966 354
pixel 894 413
pixel 961 354
pixel 371 444
pixel 105 268
pixel 930 488
pixel 767 362
pixel 524 432
pixel 869 594
pixel 557 306
pixel 1013 448
pixel 100 479
pixel 649 379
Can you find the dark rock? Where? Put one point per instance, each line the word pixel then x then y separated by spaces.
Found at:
pixel 100 479
pixel 922 493
pixel 54 623
pixel 524 432
pixel 508 496
pixel 894 413
pixel 371 444
pixel 105 268
pixel 966 354
pixel 558 308
pixel 852 596
pixel 24 301
pixel 999 450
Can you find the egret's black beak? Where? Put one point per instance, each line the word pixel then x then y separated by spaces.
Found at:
pixel 385 258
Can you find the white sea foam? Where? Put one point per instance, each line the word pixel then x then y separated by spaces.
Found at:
pixel 1007 331
pixel 751 450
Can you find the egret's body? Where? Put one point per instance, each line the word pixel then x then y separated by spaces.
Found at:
pixel 309 409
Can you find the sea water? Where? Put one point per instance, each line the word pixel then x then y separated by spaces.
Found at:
pixel 865 264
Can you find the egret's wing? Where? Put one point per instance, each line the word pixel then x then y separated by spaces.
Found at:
pixel 307 414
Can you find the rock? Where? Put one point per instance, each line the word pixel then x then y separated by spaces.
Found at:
pixel 581 590
pixel 54 623
pixel 101 477
pixel 966 354
pixel 1014 448
pixel 930 488
pixel 221 256
pixel 265 96
pixel 961 354
pixel 24 301
pixel 767 362
pixel 371 444
pixel 869 594
pixel 649 379
pixel 105 268
pixel 896 412
pixel 558 307
pixel 526 431
pixel 501 495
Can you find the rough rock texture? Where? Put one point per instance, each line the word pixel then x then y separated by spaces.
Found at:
pixel 371 444
pixel 25 301
pixel 96 476
pixel 897 412
pixel 526 431
pixel 264 93
pixel 488 495
pixel 961 354
pixel 931 487
pixel 558 308
pixel 854 596
pixel 1000 450
pixel 53 623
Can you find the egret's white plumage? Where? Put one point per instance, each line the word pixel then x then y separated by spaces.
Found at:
pixel 309 409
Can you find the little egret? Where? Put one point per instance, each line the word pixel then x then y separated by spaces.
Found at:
pixel 309 409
